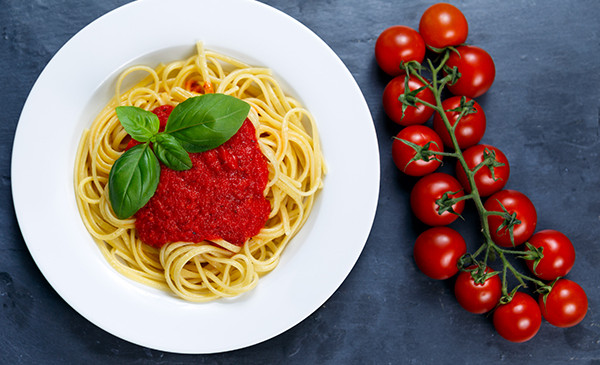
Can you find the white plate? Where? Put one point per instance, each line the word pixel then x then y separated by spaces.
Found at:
pixel 79 81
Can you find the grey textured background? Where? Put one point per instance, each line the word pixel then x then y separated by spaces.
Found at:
pixel 543 113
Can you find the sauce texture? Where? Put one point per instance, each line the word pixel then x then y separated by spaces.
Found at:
pixel 220 197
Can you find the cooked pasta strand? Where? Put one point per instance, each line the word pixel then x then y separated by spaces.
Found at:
pixel 205 271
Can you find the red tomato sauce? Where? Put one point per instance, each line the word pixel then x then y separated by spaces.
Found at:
pixel 220 197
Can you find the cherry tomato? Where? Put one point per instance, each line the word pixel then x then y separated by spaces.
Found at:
pixel 412 115
pixel 514 202
pixel 443 25
pixel 477 298
pixel 559 254
pixel 403 153
pixel 566 305
pixel 398 44
pixel 437 251
pixel 485 183
pixel 518 320
pixel 476 68
pixel 426 192
pixel 470 128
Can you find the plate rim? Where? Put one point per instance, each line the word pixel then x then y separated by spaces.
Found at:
pixel 24 216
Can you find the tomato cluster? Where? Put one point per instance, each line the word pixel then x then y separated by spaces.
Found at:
pixel 508 217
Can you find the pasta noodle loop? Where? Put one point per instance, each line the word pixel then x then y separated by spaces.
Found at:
pixel 287 136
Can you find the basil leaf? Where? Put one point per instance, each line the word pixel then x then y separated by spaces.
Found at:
pixel 206 121
pixel 133 180
pixel 139 123
pixel 170 152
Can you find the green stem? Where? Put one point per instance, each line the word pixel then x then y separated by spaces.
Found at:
pixel 464 197
pixel 493 212
pixel 449 154
pixel 479 166
pixel 488 245
pixel 417 100
pixel 502 254
pixel 479 250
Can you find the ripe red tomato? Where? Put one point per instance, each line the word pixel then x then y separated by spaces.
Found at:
pixel 427 191
pixel 559 254
pixel 403 153
pixel 437 251
pixel 477 298
pixel 514 202
pixel 518 320
pixel 476 68
pixel 398 44
pixel 470 128
pixel 566 305
pixel 443 25
pixel 393 107
pixel 486 185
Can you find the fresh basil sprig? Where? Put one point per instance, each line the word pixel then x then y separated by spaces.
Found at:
pixel 139 123
pixel 169 151
pixel 198 124
pixel 203 123
pixel 133 180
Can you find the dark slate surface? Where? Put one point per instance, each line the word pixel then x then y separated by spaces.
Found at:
pixel 543 112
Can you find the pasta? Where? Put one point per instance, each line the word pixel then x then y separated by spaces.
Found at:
pixel 287 136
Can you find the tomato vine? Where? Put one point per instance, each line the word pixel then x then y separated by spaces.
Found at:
pixel 507 218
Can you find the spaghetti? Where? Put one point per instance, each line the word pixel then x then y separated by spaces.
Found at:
pixel 205 271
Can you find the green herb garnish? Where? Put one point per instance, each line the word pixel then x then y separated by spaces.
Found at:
pixel 198 124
